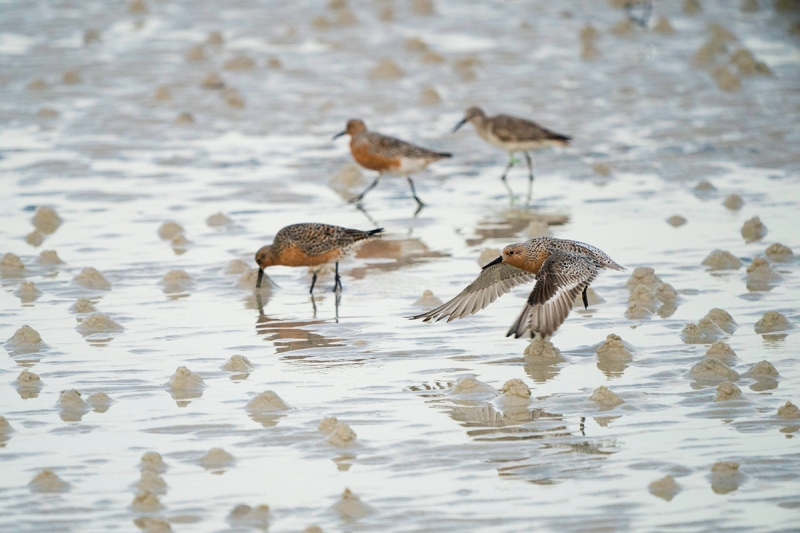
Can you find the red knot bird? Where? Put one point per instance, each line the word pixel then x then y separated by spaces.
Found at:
pixel 387 155
pixel 512 134
pixel 311 245
pixel 562 268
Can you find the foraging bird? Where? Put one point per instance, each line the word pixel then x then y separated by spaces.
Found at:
pixel 512 134
pixel 562 268
pixel 387 155
pixel 311 245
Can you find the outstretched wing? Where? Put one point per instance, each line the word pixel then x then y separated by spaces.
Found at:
pixel 493 282
pixel 561 279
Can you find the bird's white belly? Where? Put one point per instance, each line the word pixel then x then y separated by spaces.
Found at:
pixel 517 146
pixel 408 166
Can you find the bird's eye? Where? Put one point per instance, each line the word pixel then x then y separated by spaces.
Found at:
pixel 511 253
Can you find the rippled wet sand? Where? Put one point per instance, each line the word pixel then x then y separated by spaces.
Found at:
pixel 109 117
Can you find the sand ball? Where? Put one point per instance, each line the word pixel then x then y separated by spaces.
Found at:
pixel 212 81
pixel 184 118
pixel 604 397
pixel 267 402
pixel 83 305
pixel 721 350
pixel 472 386
pixel 185 379
pixel 236 266
pixel 763 369
pixel 723 319
pixel 11 261
pixel 152 482
pixel 146 502
pixel 753 230
pixel 176 277
pixel 196 53
pixel 428 300
pixel 46 220
pixel 706 331
pixel 643 276
pixel 240 63
pixel 423 7
pixel 713 370
pixel 725 477
pixel 779 253
pixel 238 363
pixel 48 481
pixel 516 389
pixel 328 424
pixel 98 323
pixel 217 458
pixel 432 57
pixel 350 506
pixel 152 461
pixel 170 230
pixel 665 488
pixel 727 391
pixel 733 202
pixel 429 96
pixel 35 238
pixel 90 278
pixel 27 291
pixel 789 410
pixel 28 380
pixel 162 93
pixel 49 257
pixel 613 349
pixel 772 321
pixel 760 270
pixel 99 401
pixel 72 406
pixel 37 85
pixel 71 77
pixel 722 260
pixel 676 221
pixel 386 69
pixel 342 435
pixel 215 38
pixel 25 340
pixel 218 219
pixel 541 351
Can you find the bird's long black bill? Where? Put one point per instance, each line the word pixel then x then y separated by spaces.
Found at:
pixel 260 276
pixel 340 134
pixel 463 121
pixel 493 262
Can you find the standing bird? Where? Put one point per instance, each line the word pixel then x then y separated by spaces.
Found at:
pixel 512 134
pixel 311 245
pixel 563 269
pixel 387 155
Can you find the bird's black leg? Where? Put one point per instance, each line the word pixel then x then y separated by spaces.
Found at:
pixel 420 203
pixel 585 298
pixel 530 175
pixel 505 173
pixel 313 282
pixel 337 281
pixel 360 197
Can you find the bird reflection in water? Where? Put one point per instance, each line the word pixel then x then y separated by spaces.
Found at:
pixel 291 335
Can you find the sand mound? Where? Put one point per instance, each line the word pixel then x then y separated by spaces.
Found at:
pixel 721 351
pixel 71 77
pixel 90 278
pixel 256 517
pixel 470 386
pixel 29 381
pixel 149 524
pixel 27 291
pixel 772 321
pixel 236 266
pixel 415 44
pixel 98 323
pixel 515 392
pixel 665 488
pixel 430 96
pixel 83 305
pixel 603 397
pixel 643 297
pixel 432 57
pixel 722 260
pixel 240 63
pixel 25 340
pixel 706 331
pixel 777 252
pixel 663 26
pixel 638 312
pixel 760 270
pixel 11 261
pixel 238 363
pixel 48 481
pixel 386 70
pixel 727 391
pixel 723 319
pixel 162 93
pixel 268 402
pixel 643 276
pixel 676 221
pixel 152 461
pixel 99 401
pixel 215 38
pixel 748 65
pixel 733 202
pixel 754 230
pixel 789 410
pixel 184 118
pixel 423 8
pixel 212 81
pixel 541 351
pixel 49 257
pixel 613 349
pixel 146 502
pixel 725 477
pixel 46 220
pixel 350 506
pixel 763 369
pixel 342 436
pixel 184 379
pixel 217 458
pixel 217 220
pixel 151 482
pixel 428 300
pixel 71 406
pixel 247 281
pixel 713 370
pixel 196 53
pixel 328 424
pixel 666 293
pixel 35 238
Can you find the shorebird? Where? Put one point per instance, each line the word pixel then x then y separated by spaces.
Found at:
pixel 387 155
pixel 562 268
pixel 512 134
pixel 311 245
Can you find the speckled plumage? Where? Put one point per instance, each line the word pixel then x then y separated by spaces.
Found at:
pixel 311 244
pixel 562 269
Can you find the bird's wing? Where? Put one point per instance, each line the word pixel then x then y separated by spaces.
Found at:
pixel 508 128
pixel 493 282
pixel 394 147
pixel 561 279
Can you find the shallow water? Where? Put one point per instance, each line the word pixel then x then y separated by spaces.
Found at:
pixel 115 166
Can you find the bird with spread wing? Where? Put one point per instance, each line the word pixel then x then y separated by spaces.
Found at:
pixel 562 268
